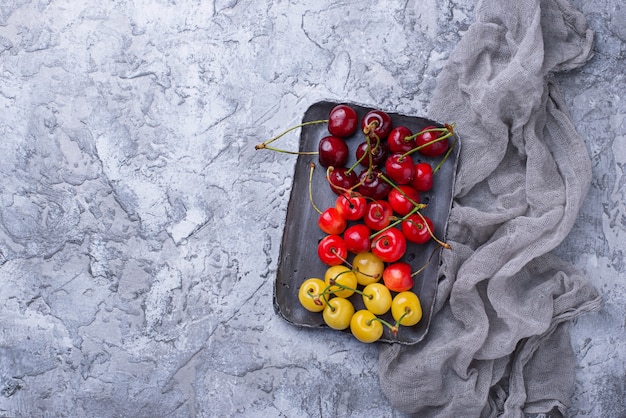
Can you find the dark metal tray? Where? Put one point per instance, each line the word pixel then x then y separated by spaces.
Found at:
pixel 298 253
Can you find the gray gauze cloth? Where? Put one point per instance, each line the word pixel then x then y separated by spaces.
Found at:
pixel 499 342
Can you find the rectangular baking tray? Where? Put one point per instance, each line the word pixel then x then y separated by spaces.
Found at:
pixel 298 252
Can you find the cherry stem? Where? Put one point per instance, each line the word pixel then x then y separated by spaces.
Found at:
pixel 448 129
pixel 263 145
pixel 407 311
pixel 392 328
pixel 445 157
pixel 432 234
pixel 418 271
pixel 312 166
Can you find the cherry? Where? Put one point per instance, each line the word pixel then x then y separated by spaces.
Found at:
pixel 342 179
pixel 406 308
pixel 423 180
pixel 400 168
pixel 331 222
pixel 333 151
pixel 357 238
pixel 342 121
pixel 372 185
pixel 435 149
pixel 309 294
pixel 376 123
pixel 338 313
pixel 377 298
pixel 365 326
pixel 368 268
pixel 351 205
pixel 403 199
pixel 418 228
pixel 378 214
pixel 378 154
pixel 397 277
pixel 401 140
pixel 340 281
pixel 331 250
pixel 389 245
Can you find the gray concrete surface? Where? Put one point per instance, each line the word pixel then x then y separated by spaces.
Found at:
pixel 140 230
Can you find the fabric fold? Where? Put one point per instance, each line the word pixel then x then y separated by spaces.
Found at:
pixel 503 300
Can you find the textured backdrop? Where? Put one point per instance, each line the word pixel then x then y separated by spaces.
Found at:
pixel 140 230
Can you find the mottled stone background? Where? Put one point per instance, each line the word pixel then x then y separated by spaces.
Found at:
pixel 140 231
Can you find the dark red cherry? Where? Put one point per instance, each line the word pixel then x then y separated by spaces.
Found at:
pixel 379 154
pixel 435 149
pixel 341 179
pixel 397 140
pixel 400 168
pixel 423 180
pixel 376 122
pixel 372 185
pixel 342 121
pixel 333 152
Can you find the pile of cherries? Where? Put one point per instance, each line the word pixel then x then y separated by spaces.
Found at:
pixel 377 213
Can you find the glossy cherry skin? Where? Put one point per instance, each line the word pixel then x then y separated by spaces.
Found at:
pixel 423 180
pixel 351 205
pixel 400 168
pixel 331 222
pixel 333 152
pixel 416 228
pixel 403 198
pixel 389 246
pixel 341 179
pixel 377 298
pixel 378 152
pixel 397 277
pixel 376 123
pixel 368 268
pixel 309 294
pixel 357 238
pixel 436 148
pixel 342 121
pixel 338 313
pixel 397 142
pixel 406 308
pixel 365 327
pixel 372 185
pixel 378 214
pixel 331 250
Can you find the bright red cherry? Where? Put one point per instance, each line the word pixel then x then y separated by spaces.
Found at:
pixel 400 168
pixel 378 154
pixel 333 151
pixel 389 246
pixel 357 238
pixel 418 229
pixel 435 149
pixel 376 123
pixel 351 205
pixel 378 215
pixel 402 199
pixel 423 180
pixel 372 185
pixel 342 121
pixel 397 140
pixel 331 222
pixel 397 277
pixel 341 179
pixel 331 250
